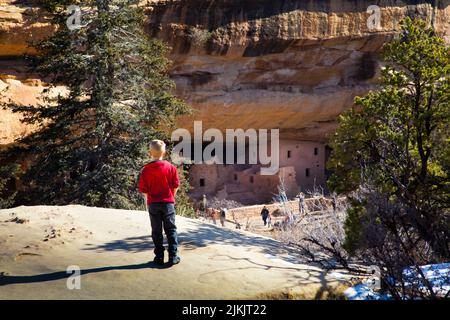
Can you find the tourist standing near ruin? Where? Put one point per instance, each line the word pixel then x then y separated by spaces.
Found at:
pixel 223 215
pixel 269 220
pixel 264 214
pixel 334 201
pixel 203 204
pixel 212 215
pixel 301 203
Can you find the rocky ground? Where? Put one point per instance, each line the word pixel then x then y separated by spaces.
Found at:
pixel 113 249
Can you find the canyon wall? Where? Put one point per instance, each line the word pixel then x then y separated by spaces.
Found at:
pixel 288 64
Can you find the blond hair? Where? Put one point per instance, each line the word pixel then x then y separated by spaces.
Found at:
pixel 157 148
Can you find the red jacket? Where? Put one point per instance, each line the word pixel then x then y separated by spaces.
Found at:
pixel 159 179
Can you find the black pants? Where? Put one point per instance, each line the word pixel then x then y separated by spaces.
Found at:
pixel 162 215
pixel 264 217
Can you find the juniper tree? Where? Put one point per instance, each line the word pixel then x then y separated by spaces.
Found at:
pixel 90 141
pixel 7 175
pixel 392 150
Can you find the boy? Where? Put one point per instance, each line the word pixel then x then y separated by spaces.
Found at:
pixel 159 183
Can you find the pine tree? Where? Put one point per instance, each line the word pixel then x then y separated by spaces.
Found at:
pixel 91 142
pixel 394 147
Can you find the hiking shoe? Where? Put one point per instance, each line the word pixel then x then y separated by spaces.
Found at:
pixel 159 260
pixel 174 260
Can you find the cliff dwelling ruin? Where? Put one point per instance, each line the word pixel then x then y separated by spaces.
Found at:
pixel 301 168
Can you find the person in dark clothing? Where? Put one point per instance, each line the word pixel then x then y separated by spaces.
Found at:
pixel 159 183
pixel 264 215
pixel 223 216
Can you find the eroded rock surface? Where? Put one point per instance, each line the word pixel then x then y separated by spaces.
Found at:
pixel 288 64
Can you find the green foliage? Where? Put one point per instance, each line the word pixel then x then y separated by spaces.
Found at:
pixel 92 141
pixel 356 214
pixel 395 141
pixel 7 175
pixel 184 205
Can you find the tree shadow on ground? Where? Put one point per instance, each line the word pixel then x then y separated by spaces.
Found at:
pixel 195 235
pixel 303 278
pixel 7 279
pixel 198 235
pixel 130 244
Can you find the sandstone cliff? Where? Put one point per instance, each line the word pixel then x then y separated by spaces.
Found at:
pixel 288 64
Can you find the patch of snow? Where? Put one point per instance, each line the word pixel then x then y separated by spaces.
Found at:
pixel 276 259
pixel 337 275
pixel 364 292
pixel 437 274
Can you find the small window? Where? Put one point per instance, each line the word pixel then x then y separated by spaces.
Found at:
pixel 202 182
pixel 235 177
pixel 316 151
pixel 307 172
pixel 289 153
pixel 251 179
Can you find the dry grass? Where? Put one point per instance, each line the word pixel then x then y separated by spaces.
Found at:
pixel 335 292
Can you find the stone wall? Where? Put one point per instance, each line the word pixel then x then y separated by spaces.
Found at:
pixel 301 167
pixel 305 156
pixel 242 213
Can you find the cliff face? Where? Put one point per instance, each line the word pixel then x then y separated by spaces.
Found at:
pixel 288 64
pixel 20 23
